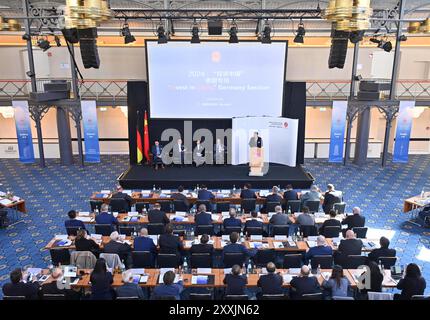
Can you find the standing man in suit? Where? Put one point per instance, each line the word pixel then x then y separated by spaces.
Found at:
pixel 303 284
pixel 181 196
pixel 356 220
pixel 347 247
pixel 156 150
pixel 106 218
pixel 16 287
pixel 270 283
pixel 219 152
pixel 332 222
pixel 383 251
pixel 179 152
pixel 155 215
pixel 202 218
pixel 119 194
pixel 255 141
pixel 73 222
pixel 247 192
pixel 145 243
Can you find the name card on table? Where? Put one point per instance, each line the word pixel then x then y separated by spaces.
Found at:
pixel 256 237
pixel 204 270
pixel 281 238
pixel 138 270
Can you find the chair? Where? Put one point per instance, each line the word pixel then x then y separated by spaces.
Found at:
pixel 342 298
pixel 292 261
pixel 308 231
pixel 273 297
pixel 83 259
pixel 167 260
pixel 236 297
pixel 207 203
pixel 420 297
pixel 127 298
pixel 379 295
pixel 294 205
pixel 204 229
pixel 60 256
pixel 72 231
pixel 155 228
pixel 339 208
pixel 142 259
pixel 280 230
pixel 262 257
pixel 313 205
pixel 248 205
pixel 140 206
pixel 201 260
pixel 270 206
pixel 113 260
pixel 312 296
pixel 229 230
pixel 179 205
pixel 48 296
pixel 163 298
pixel 325 262
pixel 119 205
pixel 95 204
pixel 360 232
pixel 387 262
pixel 103 229
pixel 254 231
pixel 14 298
pixel 222 207
pixel 354 261
pixel 200 296
pixel 128 231
pixel 232 258
pixel 332 231
pixel 165 205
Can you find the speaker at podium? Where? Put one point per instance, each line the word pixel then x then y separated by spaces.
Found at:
pixel 256 155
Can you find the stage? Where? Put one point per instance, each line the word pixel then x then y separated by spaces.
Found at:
pixel 214 177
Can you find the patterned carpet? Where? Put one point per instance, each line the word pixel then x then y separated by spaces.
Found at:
pixel 51 192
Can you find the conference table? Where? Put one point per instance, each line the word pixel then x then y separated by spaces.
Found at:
pixel 416 202
pixel 12 202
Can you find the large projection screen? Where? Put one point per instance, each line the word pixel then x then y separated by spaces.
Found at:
pixel 215 79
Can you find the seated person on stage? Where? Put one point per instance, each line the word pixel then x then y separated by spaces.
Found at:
pixel 73 222
pixel 105 217
pixel 312 195
pixel 271 283
pixel 202 218
pixel 321 249
pixel 199 153
pixel 84 243
pixel 274 197
pixel 234 247
pixel 383 251
pixel 169 242
pixel 305 219
pixel 304 284
pixel 181 196
pixel 332 222
pixel 232 221
pixel 279 218
pixel 219 152
pixel 412 283
pixel 168 288
pixel 122 249
pixel 145 243
pixel 247 192
pixel 355 220
pixel 16 287
pixel 129 288
pixel 101 282
pixel 155 215
pixel 338 284
pixel 179 153
pixel 235 281
pixel 331 197
pixel 156 150
pixel 52 287
pixel 347 247
pixel 119 194
pixel 290 193
pixel 203 246
pixel 253 222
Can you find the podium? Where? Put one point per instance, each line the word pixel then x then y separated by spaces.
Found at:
pixel 256 161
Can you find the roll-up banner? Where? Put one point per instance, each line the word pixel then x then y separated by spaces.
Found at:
pixel 91 131
pixel 403 131
pixel 338 121
pixel 23 131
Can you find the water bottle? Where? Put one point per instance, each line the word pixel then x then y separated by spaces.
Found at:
pixel 198 188
pixel 185 266
pixel 422 193
pixel 319 270
pixel 249 269
pixel 234 188
pixel 153 188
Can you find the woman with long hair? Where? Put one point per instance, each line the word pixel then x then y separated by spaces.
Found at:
pixel 101 282
pixel 338 284
pixel 412 283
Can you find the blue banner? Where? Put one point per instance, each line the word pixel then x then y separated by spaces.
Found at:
pixel 23 131
pixel 338 121
pixel 403 131
pixel 91 131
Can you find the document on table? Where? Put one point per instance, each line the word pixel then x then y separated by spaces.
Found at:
pixel 177 278
pixel 137 270
pixel 204 270
pixel 311 244
pixel 5 202
pixel 84 219
pixel 287 278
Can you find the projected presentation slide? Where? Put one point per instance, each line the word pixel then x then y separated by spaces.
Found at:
pixel 215 79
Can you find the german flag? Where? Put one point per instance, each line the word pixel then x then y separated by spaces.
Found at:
pixel 146 138
pixel 139 145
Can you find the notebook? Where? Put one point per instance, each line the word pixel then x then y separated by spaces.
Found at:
pixel 201 279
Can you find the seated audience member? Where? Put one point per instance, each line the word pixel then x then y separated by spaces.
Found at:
pixel 290 193
pixel 119 194
pixel 101 282
pixel 156 151
pixel 84 243
pixel 232 221
pixel 305 219
pixel 271 283
pixel 205 194
pixel 347 247
pixel 234 247
pixel 16 287
pixel 331 197
pixel 203 246
pixel 279 218
pixel 106 218
pixel 155 215
pixel 355 220
pixel 253 222
pixel 73 222
pixel 412 283
pixel 275 196
pixel 144 243
pixel 247 192
pixel 169 242
pixel 383 251
pixel 332 222
pixel 52 286
pixel 376 278
pixel 235 281
pixel 312 195
pixel 168 288
pixel 202 218
pixel 304 284
pixel 338 284
pixel 129 288
pixel 116 246
pixel 181 196
pixel 321 249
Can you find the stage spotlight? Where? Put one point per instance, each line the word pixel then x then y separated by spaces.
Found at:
pixel 161 33
pixel 356 36
pixel 43 44
pixel 403 38
pixel 300 33
pixel 195 38
pixel 265 36
pixel 57 41
pixel 233 33
pixel 125 32
pixel 26 37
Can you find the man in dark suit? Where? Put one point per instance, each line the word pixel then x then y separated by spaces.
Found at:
pixel 106 218
pixel 279 218
pixel 202 218
pixel 332 222
pixel 355 220
pixel 155 215
pixel 270 283
pixel 234 247
pixel 203 246
pixel 122 249
pixel 51 287
pixel 180 196
pixel 329 202
pixel 156 151
pixel 235 281
pixel 73 222
pixel 303 284
pixel 254 222
pixel 170 243
pixel 205 194
pixel 199 154
pixel 383 251
pixel 274 197
pixel 321 249
pixel 168 288
pixel 232 221
pixel 18 288
pixel 347 247
pixel 255 141
pixel 145 243
pixel 247 192
pixel 290 193
pixel 129 288
pixel 119 194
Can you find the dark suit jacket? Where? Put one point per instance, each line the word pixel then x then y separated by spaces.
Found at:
pixel 154 152
pixel 318 251
pixel 279 219
pixel 353 221
pixel 291 195
pixel 274 198
pixel 101 286
pixel 28 290
pixel 235 284
pixel 258 143
pixel 144 244
pixel 125 196
pixel 270 283
pixel 74 223
pixel 232 222
pixel 410 287
pixel 130 290
pixel 252 224
pixel 329 201
pixel 157 216
pixel 51 288
pixel 248 194
pixel 203 218
pixel 349 247
pixel 330 223
pixel 202 248
pixel 83 244
pixel 375 254
pixel 106 218
pixel 169 243
pixel 180 197
pixel 304 285
pixel 121 249
pixel 205 195
pixel 235 248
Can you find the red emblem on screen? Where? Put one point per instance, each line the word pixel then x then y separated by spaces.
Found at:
pixel 216 56
pixel 285 124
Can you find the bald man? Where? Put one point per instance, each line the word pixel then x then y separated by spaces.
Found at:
pixel 271 283
pixel 349 246
pixel 304 284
